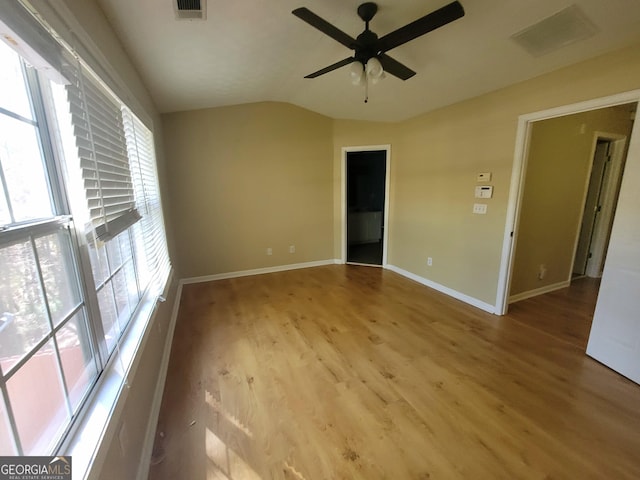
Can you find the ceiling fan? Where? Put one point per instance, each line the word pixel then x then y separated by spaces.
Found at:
pixel 367 45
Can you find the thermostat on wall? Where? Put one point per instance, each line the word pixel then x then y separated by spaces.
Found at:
pixel 484 191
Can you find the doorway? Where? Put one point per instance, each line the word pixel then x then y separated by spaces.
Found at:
pixel 365 205
pixel 567 178
pixel 551 268
pixel 615 322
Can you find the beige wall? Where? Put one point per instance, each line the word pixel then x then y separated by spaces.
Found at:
pixel 435 159
pixel 247 178
pixel 240 169
pixel 558 167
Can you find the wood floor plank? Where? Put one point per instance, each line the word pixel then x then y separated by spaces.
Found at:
pixel 344 372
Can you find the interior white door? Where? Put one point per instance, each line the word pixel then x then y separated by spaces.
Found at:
pixel 615 333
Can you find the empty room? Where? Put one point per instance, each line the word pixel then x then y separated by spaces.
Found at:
pixel 321 240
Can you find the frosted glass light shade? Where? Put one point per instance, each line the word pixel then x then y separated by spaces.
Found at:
pixel 357 73
pixel 374 70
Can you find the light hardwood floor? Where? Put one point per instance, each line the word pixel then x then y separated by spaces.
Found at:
pixel 344 372
pixel 565 314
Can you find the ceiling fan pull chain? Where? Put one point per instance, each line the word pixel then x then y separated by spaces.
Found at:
pixel 366 88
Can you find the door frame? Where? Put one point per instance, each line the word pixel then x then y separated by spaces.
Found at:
pixel 518 173
pixel 343 197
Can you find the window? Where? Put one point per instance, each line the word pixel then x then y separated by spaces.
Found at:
pixel 81 243
pixel 46 358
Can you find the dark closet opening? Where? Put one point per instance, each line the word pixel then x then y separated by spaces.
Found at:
pixel 366 174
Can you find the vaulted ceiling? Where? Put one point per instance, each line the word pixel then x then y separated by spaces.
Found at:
pixel 252 51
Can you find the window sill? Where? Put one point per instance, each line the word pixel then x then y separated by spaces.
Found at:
pixel 97 425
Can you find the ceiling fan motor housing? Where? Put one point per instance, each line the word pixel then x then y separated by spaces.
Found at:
pixel 367 46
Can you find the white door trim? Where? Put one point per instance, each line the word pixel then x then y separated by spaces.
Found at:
pixel 343 197
pixel 518 173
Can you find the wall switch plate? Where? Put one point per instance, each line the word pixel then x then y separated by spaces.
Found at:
pixel 429 261
pixel 292 249
pixel 483 177
pixel 269 251
pixel 480 208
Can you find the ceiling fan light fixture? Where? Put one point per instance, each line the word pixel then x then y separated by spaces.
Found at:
pixel 375 80
pixel 357 73
pixel 374 70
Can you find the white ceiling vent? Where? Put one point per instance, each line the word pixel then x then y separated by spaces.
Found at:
pixel 190 9
pixel 559 30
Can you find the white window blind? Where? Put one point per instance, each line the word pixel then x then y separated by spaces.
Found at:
pixel 102 149
pixel 148 201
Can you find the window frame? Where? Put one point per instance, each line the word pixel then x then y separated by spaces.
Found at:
pixel 28 232
pixel 108 388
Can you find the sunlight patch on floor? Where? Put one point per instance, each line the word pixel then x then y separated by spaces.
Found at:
pixel 225 460
pixel 233 420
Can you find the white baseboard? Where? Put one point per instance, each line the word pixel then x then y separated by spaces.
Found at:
pixel 446 290
pixel 150 434
pixel 257 271
pixel 539 291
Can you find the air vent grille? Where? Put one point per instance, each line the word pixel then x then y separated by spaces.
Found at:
pixel 189 5
pixel 190 9
pixel 559 30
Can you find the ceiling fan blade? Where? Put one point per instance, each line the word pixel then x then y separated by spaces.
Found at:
pixel 426 24
pixel 325 27
pixel 330 68
pixel 395 68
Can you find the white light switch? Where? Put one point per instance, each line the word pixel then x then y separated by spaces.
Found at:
pixel 480 208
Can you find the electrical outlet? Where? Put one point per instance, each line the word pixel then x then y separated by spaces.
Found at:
pixel 542 271
pixel 480 208
pixel 429 261
pixel 269 251
pixel 292 249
